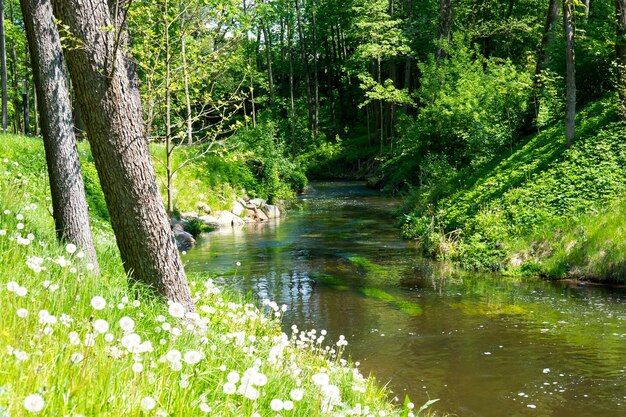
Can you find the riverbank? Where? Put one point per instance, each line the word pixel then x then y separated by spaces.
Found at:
pixel 537 209
pixel 77 344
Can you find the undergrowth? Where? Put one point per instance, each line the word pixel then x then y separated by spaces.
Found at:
pixel 537 209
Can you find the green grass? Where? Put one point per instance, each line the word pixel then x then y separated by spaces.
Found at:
pixel 56 349
pixel 539 208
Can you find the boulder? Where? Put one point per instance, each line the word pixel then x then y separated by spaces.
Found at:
pixel 229 219
pixel 259 202
pixel 273 212
pixel 176 222
pixel 184 240
pixel 189 215
pixel 209 220
pixel 257 215
pixel 203 207
pixel 238 208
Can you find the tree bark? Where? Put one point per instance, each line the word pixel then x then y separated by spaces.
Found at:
pixel 3 69
pixel 305 63
pixel 183 55
pixel 409 59
pixel 69 204
pixel 112 115
pixel 15 78
pixel 546 39
pixel 570 61
pixel 445 27
pixel 620 55
pixel 268 61
pixel 316 84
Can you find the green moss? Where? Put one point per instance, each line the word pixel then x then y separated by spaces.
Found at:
pixel 408 307
pixel 365 264
pixel 331 281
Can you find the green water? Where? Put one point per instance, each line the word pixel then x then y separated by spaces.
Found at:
pixel 484 345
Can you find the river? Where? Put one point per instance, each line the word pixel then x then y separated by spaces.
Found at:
pixel 484 345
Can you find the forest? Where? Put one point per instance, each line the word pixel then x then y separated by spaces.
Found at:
pixel 494 131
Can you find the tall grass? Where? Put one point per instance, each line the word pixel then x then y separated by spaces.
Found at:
pixel 75 344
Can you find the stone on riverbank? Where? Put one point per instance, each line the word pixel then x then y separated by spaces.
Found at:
pixel 273 212
pixel 184 240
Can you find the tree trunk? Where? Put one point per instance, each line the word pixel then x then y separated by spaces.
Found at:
pixel 115 129
pixel 15 78
pixel 305 63
pixel 183 54
pixel 445 27
pixel 409 59
pixel 26 105
pixel 587 6
pixel 620 54
pixel 169 147
pixel 316 84
pixel 69 204
pixel 542 57
pixel 119 16
pixel 268 61
pixel 570 61
pixel 35 111
pixel 292 106
pixel 3 69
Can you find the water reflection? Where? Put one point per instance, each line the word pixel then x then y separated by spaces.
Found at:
pixel 487 346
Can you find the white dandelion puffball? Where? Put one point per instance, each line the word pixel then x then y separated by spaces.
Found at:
pixel 173 356
pixel 296 394
pixel 233 377
pixel 148 403
pixel 288 405
pixel 192 357
pixel 127 324
pixel 229 388
pixel 276 404
pixel 34 403
pixel 70 248
pixel 98 302
pixel 22 313
pixel 176 310
pixel 101 326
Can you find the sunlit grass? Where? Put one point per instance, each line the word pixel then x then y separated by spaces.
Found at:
pixel 75 344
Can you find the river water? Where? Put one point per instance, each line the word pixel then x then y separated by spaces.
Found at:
pixel 484 345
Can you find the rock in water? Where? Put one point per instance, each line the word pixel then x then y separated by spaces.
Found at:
pixel 238 209
pixel 259 202
pixel 229 219
pixel 184 240
pixel 273 212
pixel 209 220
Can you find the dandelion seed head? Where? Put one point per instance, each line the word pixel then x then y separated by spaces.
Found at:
pixel 229 388
pixel 148 403
pixel 98 302
pixel 176 310
pixel 276 404
pixel 127 324
pixel 34 403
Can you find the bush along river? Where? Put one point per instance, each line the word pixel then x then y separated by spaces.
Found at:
pixel 484 345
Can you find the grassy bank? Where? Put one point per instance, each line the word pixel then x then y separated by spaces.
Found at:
pixel 78 345
pixel 539 208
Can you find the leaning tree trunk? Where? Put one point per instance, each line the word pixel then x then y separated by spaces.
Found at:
pixel 570 62
pixel 3 69
pixel 445 27
pixel 69 206
pixel 620 55
pixel 112 115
